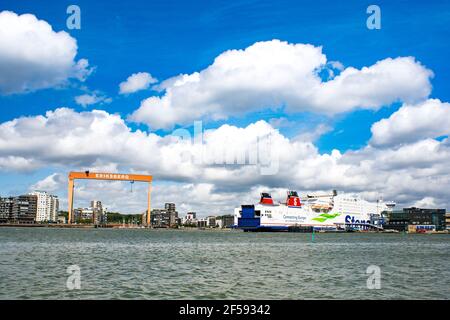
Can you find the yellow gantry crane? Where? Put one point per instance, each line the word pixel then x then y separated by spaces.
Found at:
pixel 106 176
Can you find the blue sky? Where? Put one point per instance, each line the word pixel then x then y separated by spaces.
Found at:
pixel 172 37
pixel 168 38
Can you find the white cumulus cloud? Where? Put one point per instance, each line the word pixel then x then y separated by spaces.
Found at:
pixel 427 202
pixel 33 56
pixel 89 99
pixel 135 82
pixel 275 74
pixel 97 140
pixel 429 119
pixel 53 182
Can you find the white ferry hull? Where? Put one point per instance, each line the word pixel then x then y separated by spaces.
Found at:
pixel 357 214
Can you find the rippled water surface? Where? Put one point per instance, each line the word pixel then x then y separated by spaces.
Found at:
pixel 173 264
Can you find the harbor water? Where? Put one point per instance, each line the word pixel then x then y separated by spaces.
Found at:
pixel 202 264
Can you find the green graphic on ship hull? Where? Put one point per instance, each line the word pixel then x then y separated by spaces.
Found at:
pixel 325 216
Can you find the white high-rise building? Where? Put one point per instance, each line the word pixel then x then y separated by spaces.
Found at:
pixel 47 206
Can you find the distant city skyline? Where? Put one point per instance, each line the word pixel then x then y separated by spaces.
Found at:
pixel 341 106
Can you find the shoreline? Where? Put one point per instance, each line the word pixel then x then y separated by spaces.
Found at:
pixel 86 226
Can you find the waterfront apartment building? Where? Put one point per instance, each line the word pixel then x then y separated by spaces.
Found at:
pixel 169 206
pixel 202 223
pixel 190 219
pixel 211 221
pixel 416 218
pixel 5 208
pixel 95 213
pixel 159 218
pixel 447 221
pixel 47 206
pixel 21 209
pixel 226 221
pixel 164 218
pixel 191 216
pixel 83 214
pixel 99 212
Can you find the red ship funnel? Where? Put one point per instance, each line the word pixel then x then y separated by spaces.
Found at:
pixel 293 200
pixel 266 198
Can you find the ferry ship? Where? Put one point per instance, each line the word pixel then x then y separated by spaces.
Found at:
pixel 313 212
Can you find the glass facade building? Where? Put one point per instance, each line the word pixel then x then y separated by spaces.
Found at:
pixel 401 219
